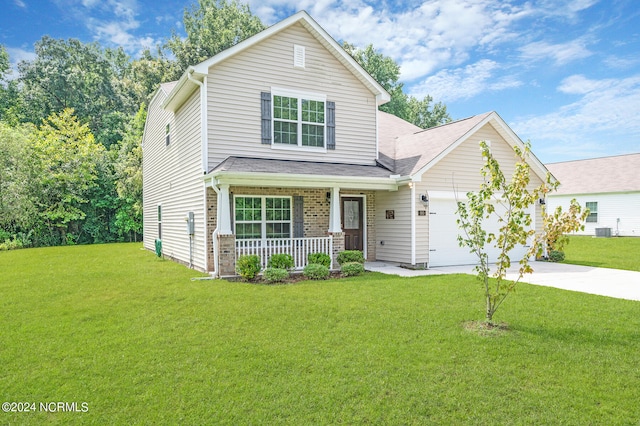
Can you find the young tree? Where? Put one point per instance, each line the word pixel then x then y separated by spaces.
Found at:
pixel 514 198
pixel 557 226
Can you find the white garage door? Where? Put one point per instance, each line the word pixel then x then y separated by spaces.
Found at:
pixel 444 249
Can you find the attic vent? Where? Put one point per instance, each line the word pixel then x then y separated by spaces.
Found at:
pixel 298 56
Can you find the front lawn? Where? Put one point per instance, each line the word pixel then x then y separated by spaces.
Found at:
pixel 617 253
pixel 140 343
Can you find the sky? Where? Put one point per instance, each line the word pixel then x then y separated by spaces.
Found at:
pixel 564 75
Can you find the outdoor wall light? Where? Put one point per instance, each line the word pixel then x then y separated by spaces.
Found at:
pixel 542 201
pixel 425 199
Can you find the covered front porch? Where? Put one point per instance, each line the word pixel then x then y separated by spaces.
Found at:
pixel 265 213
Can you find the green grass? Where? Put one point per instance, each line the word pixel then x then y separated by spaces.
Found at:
pixel 617 253
pixel 140 343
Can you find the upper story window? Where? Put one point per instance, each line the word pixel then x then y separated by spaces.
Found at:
pixel 292 119
pixel 167 134
pixel 298 121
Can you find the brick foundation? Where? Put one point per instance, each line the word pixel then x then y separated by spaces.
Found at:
pixel 227 255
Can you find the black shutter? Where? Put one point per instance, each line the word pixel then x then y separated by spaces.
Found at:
pixel 298 216
pixel 265 106
pixel 331 125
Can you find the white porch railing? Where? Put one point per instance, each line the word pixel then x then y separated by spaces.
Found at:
pixel 298 248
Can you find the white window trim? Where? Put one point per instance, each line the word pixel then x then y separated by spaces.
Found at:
pixel 586 220
pixel 263 215
pixel 311 96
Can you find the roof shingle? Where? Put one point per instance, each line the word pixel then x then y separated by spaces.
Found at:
pixel 619 173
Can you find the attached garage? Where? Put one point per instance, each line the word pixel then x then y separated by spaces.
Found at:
pixel 417 225
pixel 444 249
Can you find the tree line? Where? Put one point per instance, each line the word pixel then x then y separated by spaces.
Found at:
pixel 71 125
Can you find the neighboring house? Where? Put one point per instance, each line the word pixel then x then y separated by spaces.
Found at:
pixel 609 187
pixel 277 145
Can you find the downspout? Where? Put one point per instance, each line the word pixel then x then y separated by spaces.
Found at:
pixel 203 153
pixel 412 187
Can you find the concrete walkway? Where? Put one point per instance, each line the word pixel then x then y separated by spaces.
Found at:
pixel 605 282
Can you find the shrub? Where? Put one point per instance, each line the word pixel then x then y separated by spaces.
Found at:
pixel 348 256
pixel 11 244
pixel 319 258
pixel 248 266
pixel 556 256
pixel 281 261
pixel 315 271
pixel 351 269
pixel 275 275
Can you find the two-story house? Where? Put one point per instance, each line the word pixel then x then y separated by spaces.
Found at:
pixel 277 145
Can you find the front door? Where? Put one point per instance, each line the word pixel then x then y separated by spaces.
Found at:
pixel 352 223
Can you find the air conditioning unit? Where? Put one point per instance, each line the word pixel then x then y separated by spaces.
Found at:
pixel 603 232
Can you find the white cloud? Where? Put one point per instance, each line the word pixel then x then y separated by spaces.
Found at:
pixel 20 3
pixel 568 9
pixel 561 53
pixel 464 83
pixel 112 22
pixel 605 110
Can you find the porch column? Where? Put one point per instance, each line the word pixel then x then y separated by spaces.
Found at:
pixel 334 213
pixel 224 211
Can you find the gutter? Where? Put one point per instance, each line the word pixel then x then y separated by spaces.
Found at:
pixel 303 181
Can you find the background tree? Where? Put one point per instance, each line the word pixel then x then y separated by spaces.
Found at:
pixel 128 174
pixel 10 96
pixel 212 26
pixel 17 173
pixel 71 74
pixel 515 198
pixel 67 157
pixel 386 71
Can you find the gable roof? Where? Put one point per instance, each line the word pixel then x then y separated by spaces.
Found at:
pixel 413 153
pixel 619 173
pixel 186 85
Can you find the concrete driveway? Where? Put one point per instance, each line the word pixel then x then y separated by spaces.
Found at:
pixel 605 282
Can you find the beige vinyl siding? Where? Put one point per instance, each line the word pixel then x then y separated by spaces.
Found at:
pixel 234 87
pixel 460 169
pixel 153 160
pixel 396 233
pixel 175 174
